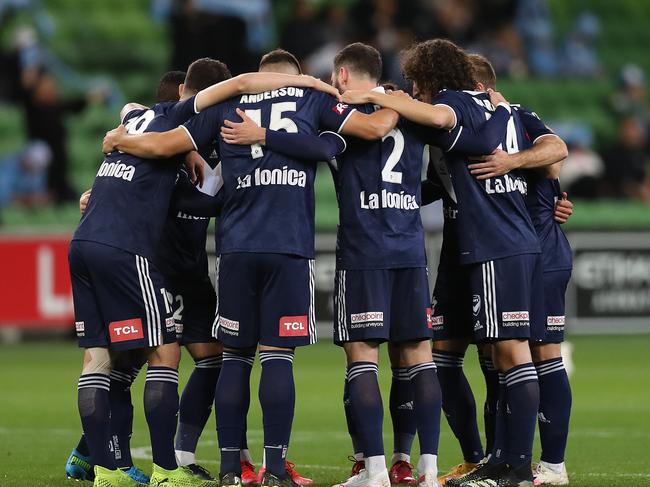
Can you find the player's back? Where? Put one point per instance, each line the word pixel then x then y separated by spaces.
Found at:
pixel 378 190
pixel 493 221
pixel 268 198
pixel 130 195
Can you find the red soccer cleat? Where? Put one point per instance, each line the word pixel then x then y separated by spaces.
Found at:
pixel 248 475
pixel 289 467
pixel 357 466
pixel 402 473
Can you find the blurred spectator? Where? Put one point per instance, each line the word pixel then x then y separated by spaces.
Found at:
pixel 45 114
pixel 536 28
pixel 626 162
pixel 583 169
pixel 23 177
pixel 580 56
pixel 630 99
pixel 304 18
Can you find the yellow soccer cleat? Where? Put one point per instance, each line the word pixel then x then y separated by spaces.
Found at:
pixel 112 478
pixel 180 477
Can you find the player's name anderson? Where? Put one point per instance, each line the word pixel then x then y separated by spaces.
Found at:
pixel 388 199
pixel 267 95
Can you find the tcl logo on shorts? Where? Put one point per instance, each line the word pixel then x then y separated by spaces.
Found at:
pixel 429 318
pixel 121 331
pixel 294 326
pixel 514 316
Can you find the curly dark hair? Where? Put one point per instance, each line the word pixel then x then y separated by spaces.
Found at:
pixel 438 64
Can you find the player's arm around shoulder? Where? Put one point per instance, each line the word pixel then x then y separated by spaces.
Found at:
pixel 436 116
pixel 149 145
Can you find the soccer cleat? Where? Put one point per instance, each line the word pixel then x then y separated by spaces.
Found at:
pixel 295 476
pixel 230 480
pixel 270 480
pixel 458 471
pixel 112 478
pixel 79 467
pixel 481 470
pixel 248 474
pixel 357 466
pixel 502 475
pixel 138 475
pixel 402 473
pixel 429 480
pixel 289 468
pixel 181 477
pixel 545 475
pixel 362 479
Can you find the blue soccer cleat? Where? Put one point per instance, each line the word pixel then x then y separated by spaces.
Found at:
pixel 138 475
pixel 79 467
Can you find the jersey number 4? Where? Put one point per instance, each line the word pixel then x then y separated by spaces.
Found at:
pixel 277 122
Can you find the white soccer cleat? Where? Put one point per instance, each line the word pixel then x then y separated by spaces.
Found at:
pixel 429 480
pixel 363 480
pixel 547 475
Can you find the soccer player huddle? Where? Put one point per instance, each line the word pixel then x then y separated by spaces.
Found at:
pixel 245 150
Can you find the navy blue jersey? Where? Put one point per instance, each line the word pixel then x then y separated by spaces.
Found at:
pixel 130 196
pixel 492 218
pixel 268 198
pixel 543 193
pixel 378 190
pixel 182 252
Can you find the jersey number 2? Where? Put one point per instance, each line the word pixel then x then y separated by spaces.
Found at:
pixel 387 173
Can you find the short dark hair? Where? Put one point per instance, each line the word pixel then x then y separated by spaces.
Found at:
pixel 360 58
pixel 205 72
pixel 438 64
pixel 483 71
pixel 168 86
pixel 280 56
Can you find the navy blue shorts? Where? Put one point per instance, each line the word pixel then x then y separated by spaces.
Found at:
pixel 265 299
pixel 194 302
pixel 507 298
pixel 382 305
pixel 452 303
pixel 119 298
pixel 555 285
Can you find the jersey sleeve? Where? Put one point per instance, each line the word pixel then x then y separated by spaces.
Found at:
pixel 204 127
pixel 452 100
pixel 332 114
pixel 306 147
pixel 181 111
pixel 534 126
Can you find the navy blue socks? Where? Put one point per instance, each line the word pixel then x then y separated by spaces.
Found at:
pixel 232 399
pixel 94 410
pixel 196 407
pixel 161 409
pixel 522 405
pixel 458 404
pixel 367 406
pixel 491 376
pixel 401 411
pixel 277 398
pixel 554 409
pixel 427 404
pixel 122 414
pixel 349 419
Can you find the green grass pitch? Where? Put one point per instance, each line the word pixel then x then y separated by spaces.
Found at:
pixel 609 441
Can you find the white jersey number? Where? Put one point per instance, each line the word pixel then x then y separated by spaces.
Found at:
pixel 139 124
pixel 387 173
pixel 277 122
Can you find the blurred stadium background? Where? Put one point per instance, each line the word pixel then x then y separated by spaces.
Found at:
pixel 67 66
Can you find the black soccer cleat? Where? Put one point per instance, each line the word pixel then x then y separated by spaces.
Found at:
pixel 502 475
pixel 270 480
pixel 230 480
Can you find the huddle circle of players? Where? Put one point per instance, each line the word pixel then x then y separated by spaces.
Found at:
pixel 245 150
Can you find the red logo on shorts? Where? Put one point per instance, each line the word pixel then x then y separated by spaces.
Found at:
pixel 429 318
pixel 122 331
pixel 294 326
